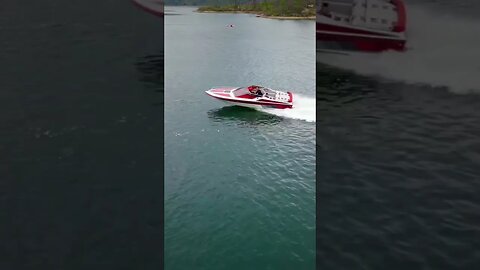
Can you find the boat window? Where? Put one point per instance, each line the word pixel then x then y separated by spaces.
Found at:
pixel 363 18
pixel 373 19
pixel 384 21
pixel 337 18
pixel 385 7
pixel 374 5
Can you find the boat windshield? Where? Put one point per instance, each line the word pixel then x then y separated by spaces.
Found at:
pixel 258 91
pixel 246 91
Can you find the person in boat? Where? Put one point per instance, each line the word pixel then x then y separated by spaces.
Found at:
pixel 325 10
pixel 255 90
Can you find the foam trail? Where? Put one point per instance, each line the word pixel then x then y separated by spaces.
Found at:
pixel 443 52
pixel 303 109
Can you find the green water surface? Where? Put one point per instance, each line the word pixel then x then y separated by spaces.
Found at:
pixel 239 183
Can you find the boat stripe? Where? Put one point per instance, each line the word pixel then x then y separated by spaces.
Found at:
pixel 358 35
pixel 252 102
pixel 351 29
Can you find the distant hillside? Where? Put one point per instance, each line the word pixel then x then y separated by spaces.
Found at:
pixel 205 2
pixel 293 9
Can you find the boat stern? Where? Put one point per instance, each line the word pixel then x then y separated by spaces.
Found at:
pixel 290 95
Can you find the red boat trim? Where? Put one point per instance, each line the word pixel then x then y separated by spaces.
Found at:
pixel 254 102
pixel 368 43
pixel 348 29
pixel 149 10
pixel 360 35
pixel 402 16
pixel 291 97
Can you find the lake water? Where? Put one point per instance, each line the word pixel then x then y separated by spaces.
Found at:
pixel 239 183
pixel 80 135
pixel 399 152
pixel 81 129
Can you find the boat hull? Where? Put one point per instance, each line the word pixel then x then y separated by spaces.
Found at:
pixel 341 38
pixel 223 95
pixel 362 44
pixel 334 34
pixel 154 7
pixel 256 106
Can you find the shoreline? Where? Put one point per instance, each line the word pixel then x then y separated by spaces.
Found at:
pixel 261 15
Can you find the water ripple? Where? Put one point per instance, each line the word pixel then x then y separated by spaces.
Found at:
pixel 399 170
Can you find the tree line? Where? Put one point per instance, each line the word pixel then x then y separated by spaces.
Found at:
pixel 301 8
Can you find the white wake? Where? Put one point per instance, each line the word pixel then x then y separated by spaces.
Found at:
pixel 303 109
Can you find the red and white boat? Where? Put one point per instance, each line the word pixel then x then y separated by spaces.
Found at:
pixel 253 96
pixel 361 25
pixel 155 7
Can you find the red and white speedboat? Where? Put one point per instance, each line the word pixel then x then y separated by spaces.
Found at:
pixel 253 96
pixel 155 7
pixel 361 25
